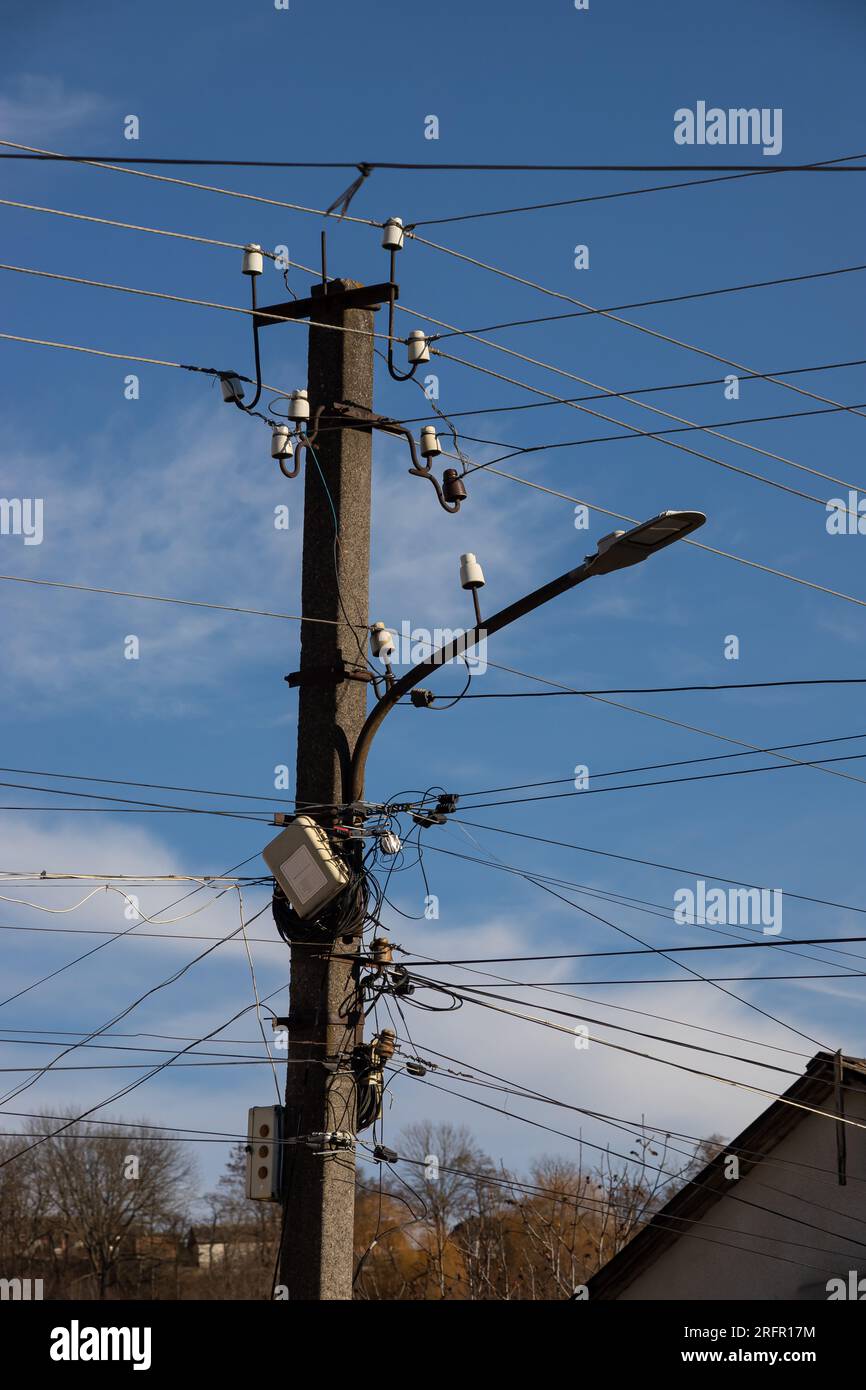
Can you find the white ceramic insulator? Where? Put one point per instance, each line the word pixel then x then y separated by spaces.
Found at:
pixel 382 641
pixel 471 573
pixel 418 346
pixel 299 406
pixel 392 234
pixel 281 442
pixel 429 442
pixel 253 260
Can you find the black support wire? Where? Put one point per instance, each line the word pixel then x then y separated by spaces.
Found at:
pixel 606 1150
pixel 518 450
pixel 652 303
pixel 125 1090
pixel 605 197
pixel 656 864
pixel 641 391
pixel 682 965
pixel 636 1128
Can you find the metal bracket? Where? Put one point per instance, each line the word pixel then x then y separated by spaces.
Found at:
pixel 328 675
pixel 363 297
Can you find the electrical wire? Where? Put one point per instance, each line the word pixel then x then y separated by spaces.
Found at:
pixel 152 786
pixel 786 943
pixel 667 299
pixel 125 1090
pixel 628 323
pixel 199 303
pixel 474 1100
pixel 654 864
pixel 688 540
pixel 681 724
pixel 650 690
pixel 660 437
pixel 643 391
pixel 697 977
pixel 605 197
pixel 663 782
pixel 159 598
pixel 518 450
pixel 33 152
pixel 100 160
pixel 10 1095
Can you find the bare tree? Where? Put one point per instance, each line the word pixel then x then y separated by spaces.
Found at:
pixel 122 1196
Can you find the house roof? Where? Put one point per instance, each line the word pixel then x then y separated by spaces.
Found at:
pixel 707 1187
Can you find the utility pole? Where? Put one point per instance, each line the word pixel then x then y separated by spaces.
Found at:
pixel 316 1255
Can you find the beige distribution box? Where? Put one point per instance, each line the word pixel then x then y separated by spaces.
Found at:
pixel 304 864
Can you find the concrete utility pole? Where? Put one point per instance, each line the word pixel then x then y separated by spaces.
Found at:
pixel 316 1257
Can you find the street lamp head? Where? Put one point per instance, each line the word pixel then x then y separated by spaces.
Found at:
pixel 620 549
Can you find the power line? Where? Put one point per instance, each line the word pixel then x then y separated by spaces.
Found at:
pixel 128 226
pixel 642 391
pixel 716 983
pixel 604 197
pixel 654 864
pixel 663 1061
pixel 125 1090
pixel 257 817
pixel 185 299
pixel 642 951
pixel 699 545
pixel 525 1119
pixel 661 438
pixel 159 598
pixel 580 1200
pixel 654 690
pixel 639 1128
pixel 373 164
pixel 664 782
pixel 651 303
pixel 640 905
pixel 628 323
pixel 153 786
pixel 517 450
pixel 35 153
pixel 698 980
pixel 647 767
pixel 682 724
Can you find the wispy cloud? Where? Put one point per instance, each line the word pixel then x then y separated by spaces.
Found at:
pixel 34 107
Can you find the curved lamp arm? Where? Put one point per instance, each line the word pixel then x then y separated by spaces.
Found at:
pixel 619 550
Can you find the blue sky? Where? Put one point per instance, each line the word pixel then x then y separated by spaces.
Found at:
pixel 173 494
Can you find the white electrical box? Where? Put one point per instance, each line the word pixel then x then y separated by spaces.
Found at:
pixel 264 1153
pixel 303 862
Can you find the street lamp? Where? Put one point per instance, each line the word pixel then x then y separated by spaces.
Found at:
pixel 618 550
pixel 623 548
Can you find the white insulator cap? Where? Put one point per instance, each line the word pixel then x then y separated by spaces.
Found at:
pixel 382 641
pixel 299 406
pixel 392 234
pixel 281 442
pixel 389 843
pixel 429 442
pixel 419 346
pixel 232 387
pixel 471 573
pixel 253 262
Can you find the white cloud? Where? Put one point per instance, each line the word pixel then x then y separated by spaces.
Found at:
pixel 41 108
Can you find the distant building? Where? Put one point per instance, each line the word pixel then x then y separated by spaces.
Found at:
pixel 787 1228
